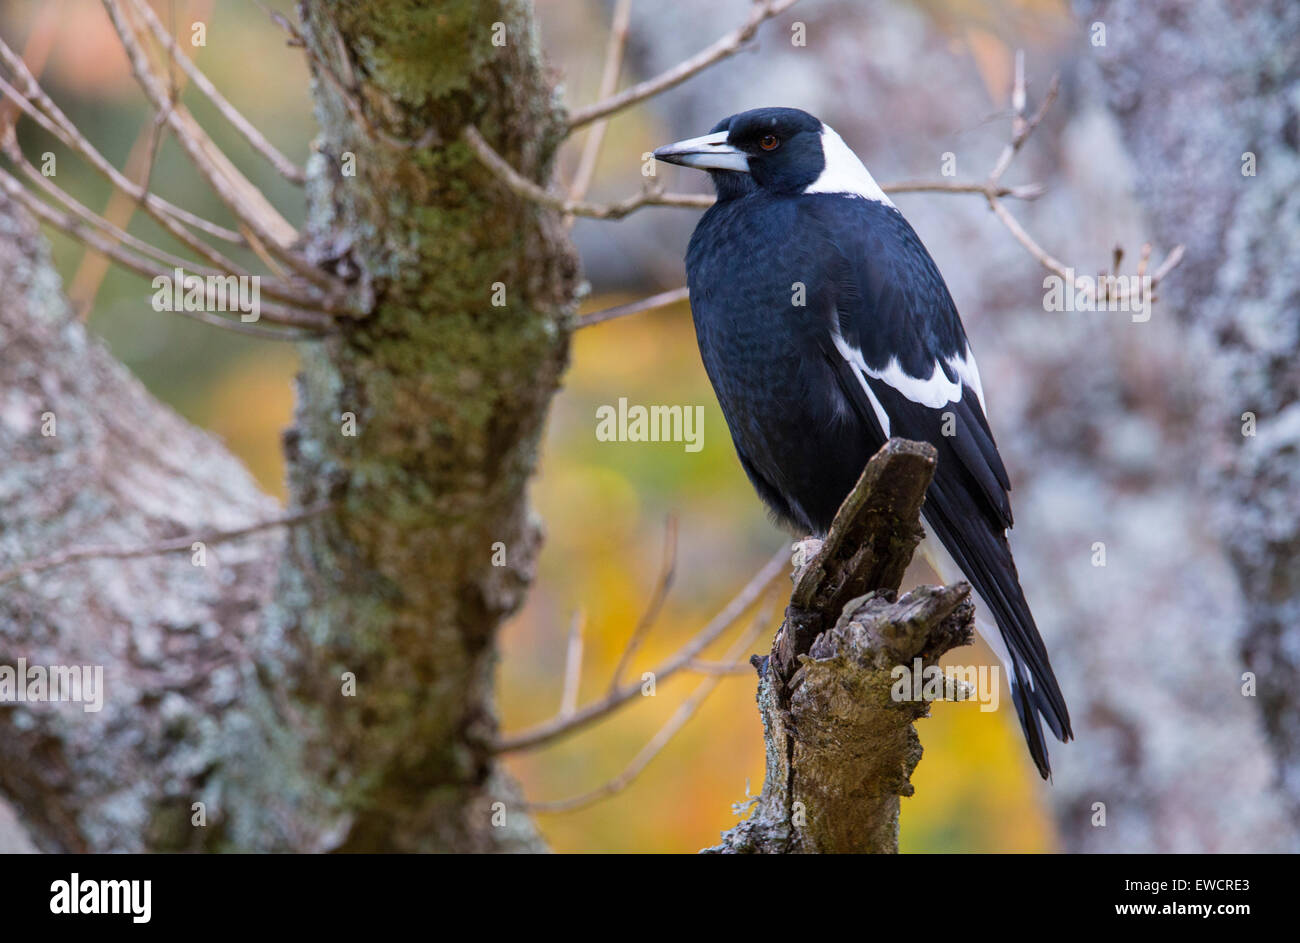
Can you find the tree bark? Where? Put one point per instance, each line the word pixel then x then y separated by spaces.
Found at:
pixel 840 746
pixel 1200 93
pixel 225 685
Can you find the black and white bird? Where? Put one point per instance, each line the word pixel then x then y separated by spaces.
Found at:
pixel 826 328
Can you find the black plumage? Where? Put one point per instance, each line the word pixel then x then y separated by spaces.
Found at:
pixel 825 328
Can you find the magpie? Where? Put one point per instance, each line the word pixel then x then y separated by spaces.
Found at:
pixel 825 328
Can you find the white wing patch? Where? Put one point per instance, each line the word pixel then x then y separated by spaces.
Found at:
pixel 968 372
pixel 844 172
pixel 935 391
pixel 854 357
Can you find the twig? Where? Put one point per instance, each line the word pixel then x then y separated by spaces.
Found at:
pixel 734 657
pixel 282 164
pixel 663 583
pixel 651 195
pixel 573 665
pixel 276 314
pixel 41 108
pixel 608 83
pixel 558 727
pixel 661 300
pixel 1028 191
pixel 704 667
pixel 244 200
pixel 270 287
pixel 1021 129
pixel 728 45
pixel 172 545
pixel 347 88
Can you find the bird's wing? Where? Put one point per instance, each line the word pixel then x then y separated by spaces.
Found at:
pixel 902 358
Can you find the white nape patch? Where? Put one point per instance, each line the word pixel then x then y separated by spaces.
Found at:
pixel 968 372
pixel 854 357
pixel 844 172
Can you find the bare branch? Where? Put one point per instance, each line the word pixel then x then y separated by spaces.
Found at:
pixel 1028 191
pixel 608 83
pixel 705 667
pixel 734 658
pixel 723 48
pixel 282 164
pixel 41 108
pixel 661 300
pixel 270 287
pixel 244 200
pixel 1021 129
pixel 573 665
pixel 172 545
pixel 663 583
pixel 277 314
pixel 652 195
pixel 558 727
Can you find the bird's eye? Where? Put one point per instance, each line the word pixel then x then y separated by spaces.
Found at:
pixel 769 142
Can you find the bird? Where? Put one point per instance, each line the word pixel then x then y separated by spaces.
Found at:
pixel 825 328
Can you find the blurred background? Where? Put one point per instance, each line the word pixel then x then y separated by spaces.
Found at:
pixel 905 83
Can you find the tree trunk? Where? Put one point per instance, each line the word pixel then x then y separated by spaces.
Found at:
pixel 418 426
pixel 1195 88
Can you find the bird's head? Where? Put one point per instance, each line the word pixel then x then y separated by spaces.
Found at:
pixel 779 149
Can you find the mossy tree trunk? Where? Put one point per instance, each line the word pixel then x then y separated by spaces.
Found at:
pixel 418 424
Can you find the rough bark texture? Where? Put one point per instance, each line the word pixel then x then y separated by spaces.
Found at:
pixel 120 470
pixel 840 749
pixel 225 684
pixel 1194 89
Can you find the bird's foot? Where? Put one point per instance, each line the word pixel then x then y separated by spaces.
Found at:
pixel 804 551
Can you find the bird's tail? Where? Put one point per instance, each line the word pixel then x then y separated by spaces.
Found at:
pixel 1034 689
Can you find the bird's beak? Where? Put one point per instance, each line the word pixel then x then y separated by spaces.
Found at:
pixel 710 152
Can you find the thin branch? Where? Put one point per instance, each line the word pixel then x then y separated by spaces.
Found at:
pixel 651 195
pixel 347 89
pixel 276 314
pixel 705 667
pixel 41 108
pixel 1021 129
pixel 255 138
pixel 663 583
pixel 1028 191
pixel 157 548
pixel 557 727
pixel 244 200
pixel 618 31
pixel 270 287
pixel 723 48
pixel 573 665
pixel 661 300
pixel 735 657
